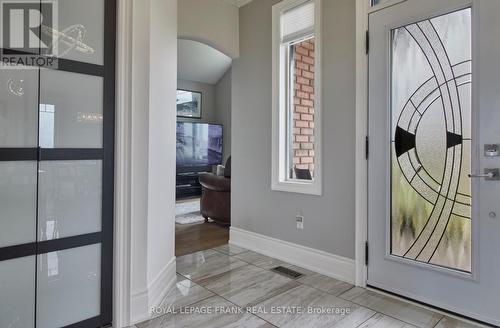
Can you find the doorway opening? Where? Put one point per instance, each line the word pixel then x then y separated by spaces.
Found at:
pixel 203 152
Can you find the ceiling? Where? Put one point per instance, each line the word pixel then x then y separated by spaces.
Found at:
pixel 200 62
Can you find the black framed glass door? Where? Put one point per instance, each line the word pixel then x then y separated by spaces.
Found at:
pixel 56 176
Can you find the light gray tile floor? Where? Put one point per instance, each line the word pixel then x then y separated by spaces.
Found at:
pixel 381 321
pixel 229 286
pixel 230 249
pixel 262 261
pixel 223 315
pixel 389 306
pixel 448 322
pixel 248 285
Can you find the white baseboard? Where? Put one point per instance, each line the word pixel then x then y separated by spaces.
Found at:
pixel 159 287
pixel 139 310
pixel 141 302
pixel 331 265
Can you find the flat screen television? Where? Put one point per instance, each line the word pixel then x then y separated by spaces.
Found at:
pixel 198 144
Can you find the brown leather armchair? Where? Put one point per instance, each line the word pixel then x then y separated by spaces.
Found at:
pixel 216 196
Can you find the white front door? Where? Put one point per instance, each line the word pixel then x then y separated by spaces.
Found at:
pixel 434 106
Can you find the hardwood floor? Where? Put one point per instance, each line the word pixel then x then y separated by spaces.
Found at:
pixel 190 238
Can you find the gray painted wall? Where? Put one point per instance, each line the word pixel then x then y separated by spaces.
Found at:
pixel 223 112
pixel 329 219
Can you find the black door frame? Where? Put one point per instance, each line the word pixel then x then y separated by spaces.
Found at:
pixel 106 154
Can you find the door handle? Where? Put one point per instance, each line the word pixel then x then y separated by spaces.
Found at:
pixel 489 175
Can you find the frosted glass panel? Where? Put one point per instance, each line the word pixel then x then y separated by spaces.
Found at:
pixel 71 113
pixel 69 198
pixel 68 286
pixel 81 27
pixel 431 139
pixel 17 203
pixel 18 108
pixel 17 293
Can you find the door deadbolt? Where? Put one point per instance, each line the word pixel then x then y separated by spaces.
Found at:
pixel 491 150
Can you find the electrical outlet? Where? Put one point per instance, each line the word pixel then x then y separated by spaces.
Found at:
pixel 300 222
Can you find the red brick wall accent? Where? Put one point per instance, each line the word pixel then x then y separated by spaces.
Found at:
pixel 303 107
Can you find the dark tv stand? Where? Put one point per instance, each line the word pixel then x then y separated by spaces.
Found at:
pixel 187 183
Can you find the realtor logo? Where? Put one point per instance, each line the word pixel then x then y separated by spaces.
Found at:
pixel 27 32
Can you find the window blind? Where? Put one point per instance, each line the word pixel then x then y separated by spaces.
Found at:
pixel 297 22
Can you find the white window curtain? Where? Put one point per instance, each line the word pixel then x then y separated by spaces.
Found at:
pixel 297 23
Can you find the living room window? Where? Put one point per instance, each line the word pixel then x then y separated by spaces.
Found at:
pixel 296 100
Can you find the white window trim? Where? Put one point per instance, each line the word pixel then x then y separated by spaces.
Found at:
pixel 279 110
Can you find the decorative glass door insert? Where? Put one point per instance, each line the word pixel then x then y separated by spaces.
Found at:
pixel 431 141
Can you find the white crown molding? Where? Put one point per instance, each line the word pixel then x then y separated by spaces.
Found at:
pixel 328 264
pixel 238 3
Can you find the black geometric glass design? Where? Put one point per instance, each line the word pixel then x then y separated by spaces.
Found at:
pixel 453 139
pixel 404 141
pixel 431 110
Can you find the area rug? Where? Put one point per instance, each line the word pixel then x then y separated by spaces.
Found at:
pixel 187 207
pixel 189 218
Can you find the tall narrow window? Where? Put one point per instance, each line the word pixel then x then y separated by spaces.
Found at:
pixel 296 103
